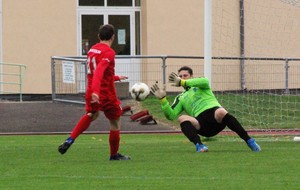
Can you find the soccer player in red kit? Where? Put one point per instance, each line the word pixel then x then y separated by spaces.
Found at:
pixel 101 94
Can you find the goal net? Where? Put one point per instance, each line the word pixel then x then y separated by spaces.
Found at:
pixel 256 65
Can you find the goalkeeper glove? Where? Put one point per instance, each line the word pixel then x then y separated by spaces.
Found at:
pixel 159 93
pixel 175 80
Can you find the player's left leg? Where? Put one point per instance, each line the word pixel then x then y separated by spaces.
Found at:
pixel 222 116
pixel 84 122
pixel 189 127
pixel 113 114
pixel 80 127
pixel 232 123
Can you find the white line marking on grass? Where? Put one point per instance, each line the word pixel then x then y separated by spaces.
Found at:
pixel 121 177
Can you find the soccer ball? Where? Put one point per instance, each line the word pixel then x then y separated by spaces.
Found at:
pixel 139 91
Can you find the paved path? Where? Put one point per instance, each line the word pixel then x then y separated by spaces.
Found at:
pixel 46 117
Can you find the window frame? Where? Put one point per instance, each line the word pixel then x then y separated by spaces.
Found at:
pixel 134 4
pixel 106 11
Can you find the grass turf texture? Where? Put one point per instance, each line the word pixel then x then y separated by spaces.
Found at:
pixel 158 162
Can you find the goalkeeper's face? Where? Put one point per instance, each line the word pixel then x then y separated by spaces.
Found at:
pixel 184 74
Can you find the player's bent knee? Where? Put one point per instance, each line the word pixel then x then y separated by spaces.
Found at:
pixel 93 115
pixel 193 120
pixel 183 118
pixel 220 114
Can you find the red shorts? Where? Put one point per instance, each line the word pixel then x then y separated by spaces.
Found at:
pixel 111 108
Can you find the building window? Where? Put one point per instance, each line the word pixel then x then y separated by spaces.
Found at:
pixel 110 3
pixel 89 31
pixel 126 21
pixel 137 33
pixel 119 3
pixel 91 2
pixel 137 3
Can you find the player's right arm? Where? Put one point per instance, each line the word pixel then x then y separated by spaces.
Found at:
pixel 119 77
pixel 102 65
pixel 201 82
pixel 171 112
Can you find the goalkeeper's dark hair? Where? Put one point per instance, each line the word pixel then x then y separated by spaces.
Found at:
pixel 106 32
pixel 186 68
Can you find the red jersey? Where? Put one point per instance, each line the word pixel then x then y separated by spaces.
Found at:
pixel 101 72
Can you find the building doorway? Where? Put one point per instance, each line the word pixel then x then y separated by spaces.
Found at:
pixel 124 15
pixel 126 19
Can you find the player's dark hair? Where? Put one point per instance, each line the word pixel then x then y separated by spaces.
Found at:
pixel 106 32
pixel 186 68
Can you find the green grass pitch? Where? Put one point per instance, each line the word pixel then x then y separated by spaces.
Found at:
pixel 159 161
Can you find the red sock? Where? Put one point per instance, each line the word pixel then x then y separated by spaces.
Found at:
pixel 81 126
pixel 114 142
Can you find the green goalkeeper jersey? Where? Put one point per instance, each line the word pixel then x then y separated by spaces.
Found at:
pixel 196 98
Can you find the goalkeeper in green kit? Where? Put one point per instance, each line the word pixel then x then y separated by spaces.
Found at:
pixel 204 114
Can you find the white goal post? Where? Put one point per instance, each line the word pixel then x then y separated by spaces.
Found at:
pixel 207 38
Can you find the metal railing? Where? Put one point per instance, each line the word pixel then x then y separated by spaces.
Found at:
pixel 280 74
pixel 11 79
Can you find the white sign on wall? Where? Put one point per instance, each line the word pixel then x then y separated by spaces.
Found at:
pixel 68 71
pixel 121 37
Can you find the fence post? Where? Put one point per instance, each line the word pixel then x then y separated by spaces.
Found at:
pixel 164 66
pixel 20 81
pixel 53 78
pixel 287 76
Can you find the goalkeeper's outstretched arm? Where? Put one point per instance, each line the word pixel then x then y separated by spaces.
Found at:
pixel 170 113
